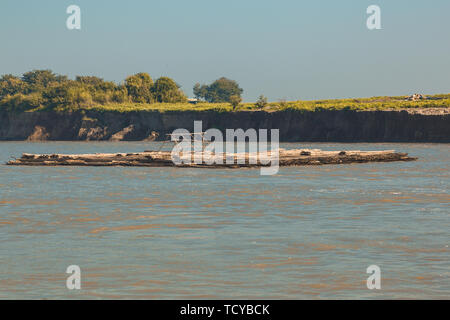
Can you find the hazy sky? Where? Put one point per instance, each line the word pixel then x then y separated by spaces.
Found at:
pixel 284 49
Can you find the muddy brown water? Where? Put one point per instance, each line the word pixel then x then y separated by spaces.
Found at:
pixel 308 232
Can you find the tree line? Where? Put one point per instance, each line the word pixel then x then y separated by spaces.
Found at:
pixel 45 89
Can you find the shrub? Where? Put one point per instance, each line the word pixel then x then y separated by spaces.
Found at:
pixel 261 102
pixel 235 101
pixel 22 102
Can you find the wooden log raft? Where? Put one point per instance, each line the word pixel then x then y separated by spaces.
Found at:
pixel 296 157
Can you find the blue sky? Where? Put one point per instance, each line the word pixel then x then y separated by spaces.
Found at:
pixel 284 49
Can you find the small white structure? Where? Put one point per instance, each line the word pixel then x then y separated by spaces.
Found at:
pixel 416 97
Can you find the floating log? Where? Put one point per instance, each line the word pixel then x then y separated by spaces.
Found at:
pixel 295 157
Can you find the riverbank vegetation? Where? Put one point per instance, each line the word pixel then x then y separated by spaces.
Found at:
pixel 41 90
pixel 44 90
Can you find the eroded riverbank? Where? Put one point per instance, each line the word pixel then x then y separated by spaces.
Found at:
pixel 413 125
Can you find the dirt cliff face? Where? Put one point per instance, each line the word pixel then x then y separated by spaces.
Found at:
pixel 333 126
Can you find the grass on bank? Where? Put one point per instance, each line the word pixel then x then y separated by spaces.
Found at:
pixel 374 103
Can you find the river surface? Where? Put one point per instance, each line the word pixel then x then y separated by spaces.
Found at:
pixel 178 233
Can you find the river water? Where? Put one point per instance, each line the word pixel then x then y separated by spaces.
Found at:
pixel 177 233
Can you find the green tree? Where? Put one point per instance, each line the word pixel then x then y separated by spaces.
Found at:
pixel 22 102
pixel 220 90
pixel 69 94
pixel 235 101
pixel 10 85
pixel 165 90
pixel 200 91
pixel 102 92
pixel 139 87
pixel 90 80
pixel 38 80
pixel 120 95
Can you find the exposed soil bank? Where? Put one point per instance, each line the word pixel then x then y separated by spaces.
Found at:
pixel 333 126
